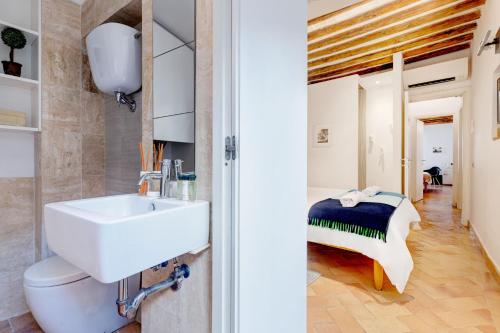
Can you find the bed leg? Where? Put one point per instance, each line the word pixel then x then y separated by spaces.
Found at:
pixel 378 275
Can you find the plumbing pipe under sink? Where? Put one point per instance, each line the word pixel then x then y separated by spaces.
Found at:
pixel 128 307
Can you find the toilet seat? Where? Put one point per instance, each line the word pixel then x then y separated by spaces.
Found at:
pixel 51 272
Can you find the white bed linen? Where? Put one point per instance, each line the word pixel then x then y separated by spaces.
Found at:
pixel 393 255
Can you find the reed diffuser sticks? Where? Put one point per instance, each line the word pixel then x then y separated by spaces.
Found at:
pixel 158 151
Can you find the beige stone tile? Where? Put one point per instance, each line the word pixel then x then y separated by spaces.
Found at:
pixel 88 84
pixel 61 20
pixel 61 147
pixel 187 310
pixel 62 64
pixel 93 113
pixel 95 12
pixel 93 155
pixel 61 104
pixel 93 186
pixel 16 242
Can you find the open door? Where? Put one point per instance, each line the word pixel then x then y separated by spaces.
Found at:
pixel 258 285
pixel 407 143
pixel 419 161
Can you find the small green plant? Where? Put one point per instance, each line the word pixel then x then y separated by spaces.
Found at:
pixel 14 39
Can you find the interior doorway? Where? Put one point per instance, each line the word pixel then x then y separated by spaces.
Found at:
pixel 434 147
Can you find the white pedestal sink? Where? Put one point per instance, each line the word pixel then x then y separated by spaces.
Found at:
pixel 115 237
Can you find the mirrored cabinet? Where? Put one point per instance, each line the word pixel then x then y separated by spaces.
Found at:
pixel 174 78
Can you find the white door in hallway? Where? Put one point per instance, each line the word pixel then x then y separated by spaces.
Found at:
pixel 419 161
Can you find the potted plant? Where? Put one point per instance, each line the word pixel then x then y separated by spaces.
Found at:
pixel 14 39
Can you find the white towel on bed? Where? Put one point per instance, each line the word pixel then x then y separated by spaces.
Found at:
pixel 352 198
pixel 372 191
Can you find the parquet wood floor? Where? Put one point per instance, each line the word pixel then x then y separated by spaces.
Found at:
pixel 450 288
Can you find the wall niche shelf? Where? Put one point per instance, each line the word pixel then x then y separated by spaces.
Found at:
pixel 18 128
pixel 19 82
pixel 22 94
pixel 30 34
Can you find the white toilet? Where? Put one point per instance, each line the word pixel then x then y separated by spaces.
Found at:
pixel 63 299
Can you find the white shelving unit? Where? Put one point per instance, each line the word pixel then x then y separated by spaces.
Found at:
pixel 22 94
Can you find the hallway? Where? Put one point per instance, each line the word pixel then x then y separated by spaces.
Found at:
pixel 450 289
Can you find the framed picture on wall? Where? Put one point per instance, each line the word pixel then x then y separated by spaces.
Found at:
pixel 322 136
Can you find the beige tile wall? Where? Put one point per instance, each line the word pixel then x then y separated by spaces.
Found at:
pixel 71 146
pixel 189 309
pixel 59 171
pixel 71 153
pixel 16 242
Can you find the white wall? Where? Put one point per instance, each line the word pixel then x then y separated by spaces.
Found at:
pixel 379 137
pixel 486 159
pixel 16 154
pixel 320 7
pixel 440 135
pixel 336 104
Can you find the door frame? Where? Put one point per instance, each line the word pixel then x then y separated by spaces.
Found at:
pixel 464 123
pixel 223 243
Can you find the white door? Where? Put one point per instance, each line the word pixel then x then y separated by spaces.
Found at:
pixel 271 169
pixel 419 162
pixel 407 151
pixel 268 93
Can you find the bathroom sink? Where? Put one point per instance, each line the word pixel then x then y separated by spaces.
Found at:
pixel 115 237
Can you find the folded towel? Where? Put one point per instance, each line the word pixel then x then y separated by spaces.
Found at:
pixel 352 198
pixel 372 191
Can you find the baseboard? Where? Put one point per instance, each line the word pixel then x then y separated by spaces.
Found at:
pixel 492 266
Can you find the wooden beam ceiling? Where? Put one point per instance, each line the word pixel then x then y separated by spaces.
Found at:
pixel 408 41
pixel 388 60
pixel 366 42
pixel 370 15
pixel 457 35
pixel 400 29
pixel 387 66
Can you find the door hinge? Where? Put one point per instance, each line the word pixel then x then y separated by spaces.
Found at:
pixel 230 148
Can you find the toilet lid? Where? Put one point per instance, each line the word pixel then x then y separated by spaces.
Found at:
pixel 53 271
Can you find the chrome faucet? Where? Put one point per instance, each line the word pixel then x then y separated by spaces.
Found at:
pixel 163 176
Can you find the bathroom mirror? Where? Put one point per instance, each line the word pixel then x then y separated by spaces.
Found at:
pixel 174 79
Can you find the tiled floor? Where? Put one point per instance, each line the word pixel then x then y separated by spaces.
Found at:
pixel 450 289
pixel 26 324
pixel 22 324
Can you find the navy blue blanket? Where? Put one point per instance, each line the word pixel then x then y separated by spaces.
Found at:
pixel 368 219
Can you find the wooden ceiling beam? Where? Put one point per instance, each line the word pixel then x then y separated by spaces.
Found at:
pixel 370 70
pixel 452 36
pixel 437 49
pixel 328 16
pixel 398 29
pixel 438 53
pixel 352 69
pixel 405 38
pixel 366 16
pixel 398 17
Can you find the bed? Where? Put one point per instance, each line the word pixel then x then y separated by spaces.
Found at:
pixel 391 256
